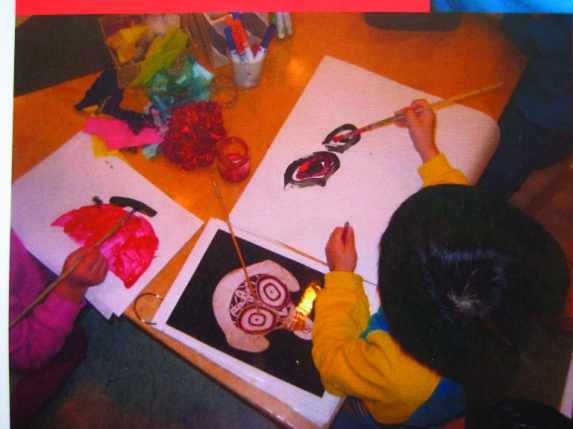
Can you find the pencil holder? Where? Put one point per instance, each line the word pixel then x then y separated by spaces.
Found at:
pixel 247 74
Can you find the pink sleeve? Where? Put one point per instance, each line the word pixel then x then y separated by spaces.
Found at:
pixel 39 336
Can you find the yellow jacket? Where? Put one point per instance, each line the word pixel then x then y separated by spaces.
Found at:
pixel 438 171
pixel 391 384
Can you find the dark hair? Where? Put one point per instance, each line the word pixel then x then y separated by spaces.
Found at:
pixel 517 414
pixel 455 258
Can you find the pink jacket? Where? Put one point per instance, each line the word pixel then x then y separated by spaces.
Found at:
pixel 41 335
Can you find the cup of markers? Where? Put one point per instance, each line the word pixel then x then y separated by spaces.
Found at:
pixel 247 59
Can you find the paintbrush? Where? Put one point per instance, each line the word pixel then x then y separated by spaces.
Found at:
pixel 436 105
pixel 136 206
pixel 235 242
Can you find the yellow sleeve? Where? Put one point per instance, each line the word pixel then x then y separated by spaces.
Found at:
pixel 438 171
pixel 391 384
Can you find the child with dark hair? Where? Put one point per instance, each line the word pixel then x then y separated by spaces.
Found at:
pixel 452 259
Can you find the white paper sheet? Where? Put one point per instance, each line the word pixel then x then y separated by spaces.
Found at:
pixel 375 175
pixel 317 409
pixel 67 180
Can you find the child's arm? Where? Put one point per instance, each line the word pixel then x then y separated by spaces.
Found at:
pixel 435 169
pixel 375 368
pixel 422 129
pixel 37 338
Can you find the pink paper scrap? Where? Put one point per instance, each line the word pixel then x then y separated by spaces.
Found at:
pixel 116 133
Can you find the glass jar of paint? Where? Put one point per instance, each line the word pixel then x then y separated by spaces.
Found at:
pixel 233 159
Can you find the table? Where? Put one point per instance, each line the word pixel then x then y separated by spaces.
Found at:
pixel 440 63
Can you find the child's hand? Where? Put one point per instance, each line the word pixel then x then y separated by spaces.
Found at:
pixel 91 270
pixel 340 250
pixel 422 128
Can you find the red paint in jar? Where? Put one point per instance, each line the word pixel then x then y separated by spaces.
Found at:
pixel 233 159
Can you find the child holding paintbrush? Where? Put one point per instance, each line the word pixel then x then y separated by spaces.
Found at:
pixel 422 127
pixel 452 260
pixel 47 345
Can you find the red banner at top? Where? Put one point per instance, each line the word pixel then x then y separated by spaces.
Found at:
pixel 80 7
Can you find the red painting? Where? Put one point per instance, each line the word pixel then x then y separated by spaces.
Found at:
pixel 129 251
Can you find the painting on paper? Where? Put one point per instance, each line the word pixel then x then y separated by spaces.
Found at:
pixel 257 320
pixel 129 251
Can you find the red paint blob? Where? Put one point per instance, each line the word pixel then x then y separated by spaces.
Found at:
pixel 129 251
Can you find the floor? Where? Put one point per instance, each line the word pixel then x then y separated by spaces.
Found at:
pixel 129 381
pixel 547 195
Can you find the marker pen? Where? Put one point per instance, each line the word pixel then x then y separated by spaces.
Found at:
pixel 241 53
pixel 268 36
pixel 231 45
pixel 288 23
pixel 255 48
pixel 239 29
pixel 280 25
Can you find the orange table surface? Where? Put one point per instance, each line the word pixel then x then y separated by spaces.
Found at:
pixel 444 64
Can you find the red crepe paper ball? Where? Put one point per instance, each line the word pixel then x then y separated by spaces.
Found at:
pixel 193 133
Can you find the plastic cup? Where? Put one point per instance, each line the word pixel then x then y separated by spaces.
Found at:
pixel 247 74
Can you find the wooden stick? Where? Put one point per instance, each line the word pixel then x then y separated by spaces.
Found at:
pixel 436 105
pixel 235 242
pixel 66 273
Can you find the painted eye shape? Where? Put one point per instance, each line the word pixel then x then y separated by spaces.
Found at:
pixel 257 321
pixel 341 145
pixel 315 169
pixel 273 295
pixel 246 314
pixel 272 292
pixel 312 169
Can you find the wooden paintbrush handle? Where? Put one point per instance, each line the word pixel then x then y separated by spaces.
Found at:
pixel 44 294
pixel 435 105
pixel 66 273
pixel 250 286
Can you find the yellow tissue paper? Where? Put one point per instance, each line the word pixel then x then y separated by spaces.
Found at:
pixel 161 54
pixel 100 149
pixel 124 42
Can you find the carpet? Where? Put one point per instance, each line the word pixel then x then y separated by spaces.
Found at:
pixel 130 381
